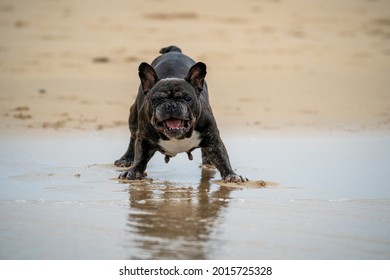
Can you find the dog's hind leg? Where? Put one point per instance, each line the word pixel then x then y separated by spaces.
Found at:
pixel 128 158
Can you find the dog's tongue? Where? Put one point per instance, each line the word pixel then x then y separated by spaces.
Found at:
pixel 173 123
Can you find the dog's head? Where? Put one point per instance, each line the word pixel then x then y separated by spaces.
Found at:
pixel 173 104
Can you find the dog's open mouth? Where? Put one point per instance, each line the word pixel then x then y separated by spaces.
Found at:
pixel 174 125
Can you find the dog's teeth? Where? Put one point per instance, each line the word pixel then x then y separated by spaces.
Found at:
pixel 173 128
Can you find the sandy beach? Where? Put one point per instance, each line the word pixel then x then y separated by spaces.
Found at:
pixel 300 91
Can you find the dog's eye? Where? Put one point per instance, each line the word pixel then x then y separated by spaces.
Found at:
pixel 187 98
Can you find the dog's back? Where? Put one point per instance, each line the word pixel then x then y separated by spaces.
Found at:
pixel 172 63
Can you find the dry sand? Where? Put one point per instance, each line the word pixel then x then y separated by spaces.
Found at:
pixel 271 64
pixel 302 85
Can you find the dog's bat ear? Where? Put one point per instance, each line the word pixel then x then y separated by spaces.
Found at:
pixel 196 75
pixel 148 76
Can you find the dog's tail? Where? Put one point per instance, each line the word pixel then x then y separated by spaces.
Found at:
pixel 170 49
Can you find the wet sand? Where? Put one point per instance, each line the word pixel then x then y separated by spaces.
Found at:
pixel 299 90
pixel 329 200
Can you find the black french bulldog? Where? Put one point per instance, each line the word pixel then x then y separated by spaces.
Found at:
pixel 172 115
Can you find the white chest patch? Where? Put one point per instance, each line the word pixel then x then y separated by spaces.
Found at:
pixel 173 147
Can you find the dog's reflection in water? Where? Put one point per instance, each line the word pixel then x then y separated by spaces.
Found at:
pixel 175 222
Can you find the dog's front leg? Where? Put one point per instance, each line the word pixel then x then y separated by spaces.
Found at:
pixel 217 153
pixel 143 153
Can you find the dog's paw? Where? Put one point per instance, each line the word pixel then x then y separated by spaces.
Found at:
pixel 234 178
pixel 123 162
pixel 131 175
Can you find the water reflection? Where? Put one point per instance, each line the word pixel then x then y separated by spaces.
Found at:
pixel 173 221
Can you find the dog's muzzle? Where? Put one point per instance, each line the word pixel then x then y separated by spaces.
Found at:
pixel 174 128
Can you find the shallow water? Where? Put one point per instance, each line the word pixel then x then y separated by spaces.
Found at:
pixel 330 200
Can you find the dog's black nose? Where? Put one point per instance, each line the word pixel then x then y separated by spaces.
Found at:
pixel 170 106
